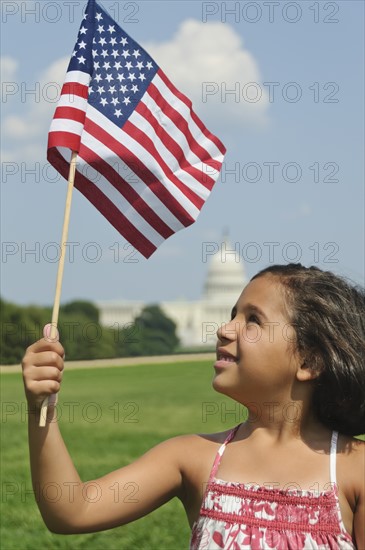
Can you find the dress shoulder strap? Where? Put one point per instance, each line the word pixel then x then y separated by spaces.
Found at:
pixel 218 456
pixel 333 456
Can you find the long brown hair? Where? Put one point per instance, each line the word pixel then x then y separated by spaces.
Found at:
pixel 327 313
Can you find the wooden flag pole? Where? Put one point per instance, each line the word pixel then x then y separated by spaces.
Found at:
pixel 57 299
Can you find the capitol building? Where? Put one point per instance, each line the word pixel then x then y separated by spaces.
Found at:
pixel 196 321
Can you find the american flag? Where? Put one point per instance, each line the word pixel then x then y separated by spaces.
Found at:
pixel 145 160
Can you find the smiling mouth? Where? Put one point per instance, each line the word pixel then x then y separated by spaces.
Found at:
pixel 225 356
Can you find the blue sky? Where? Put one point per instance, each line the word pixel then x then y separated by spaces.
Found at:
pixel 292 182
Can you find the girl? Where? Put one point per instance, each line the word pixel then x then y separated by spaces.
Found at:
pixel 291 476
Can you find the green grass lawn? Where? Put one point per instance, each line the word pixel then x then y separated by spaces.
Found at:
pixel 109 417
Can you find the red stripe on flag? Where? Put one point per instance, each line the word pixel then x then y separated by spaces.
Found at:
pixel 123 187
pixel 104 205
pixel 174 147
pixel 179 121
pixel 64 139
pixel 75 88
pixel 70 113
pixel 196 119
pixel 148 144
pixel 141 171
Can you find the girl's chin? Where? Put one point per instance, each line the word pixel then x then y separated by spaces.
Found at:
pixel 220 386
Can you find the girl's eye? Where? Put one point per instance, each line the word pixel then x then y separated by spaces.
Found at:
pixel 253 319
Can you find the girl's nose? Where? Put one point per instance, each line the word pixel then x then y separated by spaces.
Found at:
pixel 227 331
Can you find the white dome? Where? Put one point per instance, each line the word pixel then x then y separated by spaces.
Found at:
pixel 226 278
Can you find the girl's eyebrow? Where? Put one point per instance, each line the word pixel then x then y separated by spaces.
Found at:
pixel 249 308
pixel 255 309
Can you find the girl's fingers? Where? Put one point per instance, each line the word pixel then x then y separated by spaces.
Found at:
pixel 41 382
pixel 39 374
pixel 41 389
pixel 43 364
pixel 45 345
pixel 45 359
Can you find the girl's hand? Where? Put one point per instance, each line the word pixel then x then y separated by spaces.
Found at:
pixel 42 366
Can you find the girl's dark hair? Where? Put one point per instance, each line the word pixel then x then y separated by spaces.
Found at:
pixel 328 317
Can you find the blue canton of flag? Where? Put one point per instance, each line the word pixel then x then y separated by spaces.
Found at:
pixel 122 115
pixel 120 69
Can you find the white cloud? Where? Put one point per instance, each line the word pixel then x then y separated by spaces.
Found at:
pixel 9 67
pixel 8 75
pixel 205 61
pixel 35 122
pixel 16 127
pixel 51 82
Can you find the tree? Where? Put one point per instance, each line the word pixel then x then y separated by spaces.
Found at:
pixel 20 327
pixel 152 333
pixel 81 307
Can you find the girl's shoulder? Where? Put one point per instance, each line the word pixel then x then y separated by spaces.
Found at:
pixel 351 477
pixel 351 464
pixel 196 450
pixel 196 454
pixel 351 448
pixel 198 440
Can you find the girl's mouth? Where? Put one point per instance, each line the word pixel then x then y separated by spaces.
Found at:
pixel 224 355
pixel 224 358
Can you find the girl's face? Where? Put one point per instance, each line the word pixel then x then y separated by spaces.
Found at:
pixel 256 361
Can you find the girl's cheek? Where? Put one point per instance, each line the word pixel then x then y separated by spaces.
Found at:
pixel 252 333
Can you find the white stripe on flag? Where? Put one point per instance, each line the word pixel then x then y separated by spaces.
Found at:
pixel 182 108
pixel 97 179
pixel 176 134
pixel 66 125
pixel 78 77
pixel 145 157
pixel 191 182
pixel 72 100
pixel 126 173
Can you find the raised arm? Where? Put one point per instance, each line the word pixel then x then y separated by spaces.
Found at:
pixel 67 504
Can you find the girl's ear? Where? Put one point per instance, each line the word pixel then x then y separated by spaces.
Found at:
pixel 307 371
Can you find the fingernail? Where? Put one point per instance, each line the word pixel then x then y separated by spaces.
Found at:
pixel 47 331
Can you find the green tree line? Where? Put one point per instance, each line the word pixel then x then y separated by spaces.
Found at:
pixel 151 333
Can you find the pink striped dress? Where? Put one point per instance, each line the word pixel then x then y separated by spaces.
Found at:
pixel 240 516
